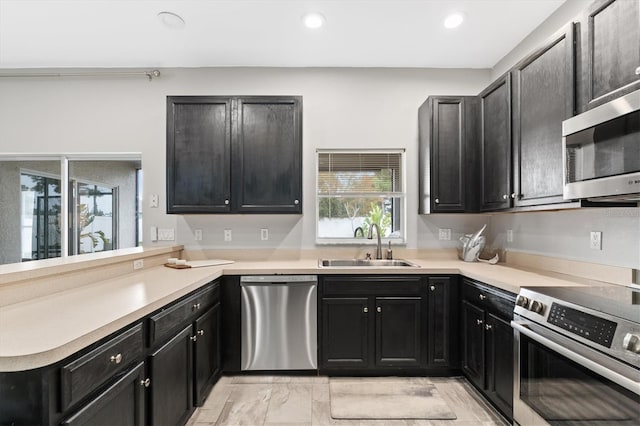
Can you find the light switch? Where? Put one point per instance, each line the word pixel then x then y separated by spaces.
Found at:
pixel 167 234
pixel 153 233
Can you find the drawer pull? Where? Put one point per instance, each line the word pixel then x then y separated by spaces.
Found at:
pixel 195 306
pixel 487 326
pixel 296 202
pixel 479 322
pixel 437 200
pixel 116 359
pixel 193 338
pixel 482 297
pixel 145 382
pixel 226 202
pixel 433 288
pixel 200 332
pixel 365 310
pixel 379 309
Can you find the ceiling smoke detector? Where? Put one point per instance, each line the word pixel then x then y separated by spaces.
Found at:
pixel 171 20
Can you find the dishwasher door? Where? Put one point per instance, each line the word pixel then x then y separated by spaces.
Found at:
pixel 279 322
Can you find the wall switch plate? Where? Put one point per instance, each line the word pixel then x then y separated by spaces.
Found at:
pixel 154 199
pixel 167 234
pixel 596 240
pixel 197 234
pixel 444 234
pixel 153 233
pixel 509 235
pixel 264 234
pixel 227 235
pixel 138 264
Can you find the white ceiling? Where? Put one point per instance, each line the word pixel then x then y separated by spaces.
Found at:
pixel 358 33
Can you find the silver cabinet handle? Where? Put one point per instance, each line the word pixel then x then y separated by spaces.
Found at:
pixel 193 338
pixel 479 322
pixel 379 309
pixel 226 202
pixel 487 326
pixel 365 310
pixel 505 196
pixel 195 307
pixel 437 200
pixel 638 71
pixel 482 297
pixel 200 332
pixel 433 288
pixel 513 195
pixel 116 359
pixel 145 382
pixel 296 202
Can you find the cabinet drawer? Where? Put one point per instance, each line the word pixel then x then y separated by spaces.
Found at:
pixel 379 285
pixel 490 298
pixel 88 372
pixel 164 322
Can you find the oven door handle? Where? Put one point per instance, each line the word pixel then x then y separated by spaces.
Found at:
pixel 597 368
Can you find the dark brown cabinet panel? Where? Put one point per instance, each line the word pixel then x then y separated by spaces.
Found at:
pixel 543 97
pixel 206 353
pixel 398 331
pixel 121 404
pixel 172 380
pixel 267 155
pixel 499 353
pixel 345 346
pixel 229 154
pixel 448 151
pixel 473 347
pixel 495 145
pixel 198 154
pixel 609 61
pixel 442 302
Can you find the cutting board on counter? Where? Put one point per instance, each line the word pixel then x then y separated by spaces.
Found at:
pixel 200 263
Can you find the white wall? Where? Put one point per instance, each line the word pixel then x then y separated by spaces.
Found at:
pixel 360 108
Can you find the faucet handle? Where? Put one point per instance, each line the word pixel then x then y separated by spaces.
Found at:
pixel 389 252
pixel 367 256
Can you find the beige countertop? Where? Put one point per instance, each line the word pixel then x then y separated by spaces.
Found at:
pixel 46 329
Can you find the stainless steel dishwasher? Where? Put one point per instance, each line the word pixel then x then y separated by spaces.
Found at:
pixel 279 320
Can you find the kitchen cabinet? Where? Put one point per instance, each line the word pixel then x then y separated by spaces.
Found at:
pixel 442 322
pixel 487 355
pixel 448 128
pixel 345 346
pixel 495 145
pixel 543 86
pixel 398 328
pixel 230 154
pixel 608 64
pixel 206 353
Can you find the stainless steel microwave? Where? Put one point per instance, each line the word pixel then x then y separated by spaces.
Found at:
pixel 601 152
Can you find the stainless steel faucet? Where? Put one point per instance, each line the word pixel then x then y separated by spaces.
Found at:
pixel 379 248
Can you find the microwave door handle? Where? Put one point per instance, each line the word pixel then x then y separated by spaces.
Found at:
pixel 615 377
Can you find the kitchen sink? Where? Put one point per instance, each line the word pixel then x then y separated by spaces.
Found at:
pixel 357 263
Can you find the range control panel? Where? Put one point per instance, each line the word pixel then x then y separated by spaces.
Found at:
pixel 585 325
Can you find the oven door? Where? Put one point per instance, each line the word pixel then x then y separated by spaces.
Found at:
pixel 559 381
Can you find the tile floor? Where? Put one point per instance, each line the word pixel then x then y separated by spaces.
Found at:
pixel 304 400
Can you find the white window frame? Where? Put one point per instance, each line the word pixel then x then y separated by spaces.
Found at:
pixel 402 195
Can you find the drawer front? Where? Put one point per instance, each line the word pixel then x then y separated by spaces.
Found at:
pixel 88 372
pixel 164 322
pixel 489 298
pixel 379 285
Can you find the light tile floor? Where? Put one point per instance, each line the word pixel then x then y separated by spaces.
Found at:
pixel 304 400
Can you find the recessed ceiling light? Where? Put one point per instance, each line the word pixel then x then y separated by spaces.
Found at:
pixel 454 20
pixel 313 20
pixel 171 20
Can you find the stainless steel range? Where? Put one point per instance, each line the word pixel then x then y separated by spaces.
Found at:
pixel 577 353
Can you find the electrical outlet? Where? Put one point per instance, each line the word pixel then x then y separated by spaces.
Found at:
pixel 154 201
pixel 596 240
pixel 153 233
pixel 227 235
pixel 197 234
pixel 166 234
pixel 138 264
pixel 264 234
pixel 444 234
pixel 509 235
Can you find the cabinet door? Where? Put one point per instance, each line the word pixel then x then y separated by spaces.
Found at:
pixel 543 97
pixel 398 331
pixel 499 338
pixel 439 325
pixel 609 65
pixel 345 332
pixel 495 144
pixel 121 404
pixel 172 380
pixel 473 343
pixel 267 155
pixel 198 154
pixel 206 353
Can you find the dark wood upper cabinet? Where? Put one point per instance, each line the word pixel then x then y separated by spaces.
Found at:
pixel 198 154
pixel 267 155
pixel 495 145
pixel 448 144
pixel 609 54
pixel 543 86
pixel 228 154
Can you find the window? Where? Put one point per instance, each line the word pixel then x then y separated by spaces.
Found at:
pixel 356 189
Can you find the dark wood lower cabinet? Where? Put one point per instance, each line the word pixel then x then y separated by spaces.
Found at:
pixel 499 338
pixel 398 331
pixel 345 332
pixel 206 353
pixel 121 404
pixel 473 346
